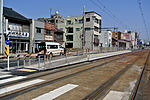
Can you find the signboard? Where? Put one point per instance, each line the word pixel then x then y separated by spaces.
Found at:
pixel 18 34
pixel 48 37
pixel 7 42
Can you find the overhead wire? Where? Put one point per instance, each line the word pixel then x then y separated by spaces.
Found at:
pixel 143 18
pixel 108 12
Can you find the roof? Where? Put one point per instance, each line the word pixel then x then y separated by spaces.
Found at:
pixel 58 30
pixel 13 15
pixel 92 12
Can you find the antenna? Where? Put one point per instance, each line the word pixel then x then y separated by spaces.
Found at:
pixel 50 12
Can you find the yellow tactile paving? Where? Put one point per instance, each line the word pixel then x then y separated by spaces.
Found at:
pixel 27 70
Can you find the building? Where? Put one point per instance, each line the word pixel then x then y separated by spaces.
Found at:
pixel 54 19
pixel 105 38
pixel 37 34
pixel 92 25
pixel 134 39
pixel 116 35
pixel 17 27
pixel 73 28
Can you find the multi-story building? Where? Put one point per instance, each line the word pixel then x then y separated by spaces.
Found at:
pixel 73 28
pixel 106 38
pixel 116 35
pixel 17 27
pixel 37 34
pixel 54 19
pixel 92 25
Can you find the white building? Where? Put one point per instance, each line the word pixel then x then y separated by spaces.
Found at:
pixel 105 38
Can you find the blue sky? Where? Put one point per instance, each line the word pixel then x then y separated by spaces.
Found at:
pixel 125 11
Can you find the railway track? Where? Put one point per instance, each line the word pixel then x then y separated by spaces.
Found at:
pixel 96 93
pixel 137 92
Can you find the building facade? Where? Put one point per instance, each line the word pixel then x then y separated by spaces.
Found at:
pixel 37 34
pixel 105 38
pixel 92 26
pixel 17 28
pixel 73 28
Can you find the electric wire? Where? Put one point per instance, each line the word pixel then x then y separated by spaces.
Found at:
pixel 143 18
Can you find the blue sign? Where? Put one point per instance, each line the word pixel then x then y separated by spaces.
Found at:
pixel 7 42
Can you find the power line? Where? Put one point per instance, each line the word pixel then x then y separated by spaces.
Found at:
pixel 143 18
pixel 108 12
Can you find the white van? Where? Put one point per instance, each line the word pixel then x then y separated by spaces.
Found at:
pixel 52 48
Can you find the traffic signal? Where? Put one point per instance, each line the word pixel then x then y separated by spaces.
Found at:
pixel 7 50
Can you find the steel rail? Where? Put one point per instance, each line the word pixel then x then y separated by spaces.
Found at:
pixel 18 92
pixel 138 83
pixel 106 85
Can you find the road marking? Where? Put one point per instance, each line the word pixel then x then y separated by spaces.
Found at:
pixel 21 85
pixel 57 92
pixel 114 95
pixel 4 76
pixel 11 79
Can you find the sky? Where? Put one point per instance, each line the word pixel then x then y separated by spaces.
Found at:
pixel 124 14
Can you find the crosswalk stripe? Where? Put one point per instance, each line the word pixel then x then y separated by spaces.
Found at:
pixel 57 92
pixel 11 79
pixel 21 85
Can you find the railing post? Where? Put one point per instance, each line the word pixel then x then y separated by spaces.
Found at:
pixel 38 62
pixel 24 62
pixel 18 62
pixel 29 60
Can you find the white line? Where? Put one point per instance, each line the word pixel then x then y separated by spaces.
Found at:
pixel 11 79
pixel 57 92
pixel 4 76
pixel 18 86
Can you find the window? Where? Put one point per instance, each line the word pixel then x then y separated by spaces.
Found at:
pixel 77 29
pixel 48 32
pixel 87 29
pixel 38 30
pixel 70 30
pixel 68 22
pixel 80 21
pixel 87 19
pixel 69 37
pixel 96 28
pixel 52 46
pixel 61 29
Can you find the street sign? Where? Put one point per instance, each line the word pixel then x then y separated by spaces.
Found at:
pixel 7 42
pixel 7 50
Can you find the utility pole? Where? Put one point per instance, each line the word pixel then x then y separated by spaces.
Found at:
pixel 50 12
pixel 83 34
pixel 1 24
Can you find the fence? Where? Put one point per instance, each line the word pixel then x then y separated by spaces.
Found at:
pixel 47 61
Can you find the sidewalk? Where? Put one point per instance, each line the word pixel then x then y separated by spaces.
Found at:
pixel 73 60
